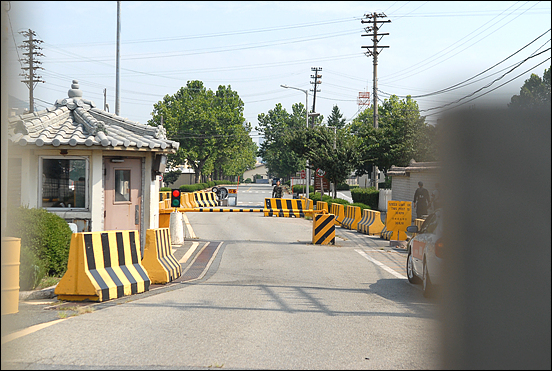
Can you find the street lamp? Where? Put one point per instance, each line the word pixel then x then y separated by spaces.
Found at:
pixel 307 189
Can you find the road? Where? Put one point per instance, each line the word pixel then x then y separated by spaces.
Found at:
pixel 268 299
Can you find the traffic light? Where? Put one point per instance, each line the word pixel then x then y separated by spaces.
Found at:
pixel 175 198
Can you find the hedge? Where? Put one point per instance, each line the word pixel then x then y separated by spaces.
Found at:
pixel 45 242
pixel 368 196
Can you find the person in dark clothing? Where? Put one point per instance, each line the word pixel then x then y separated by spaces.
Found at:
pixel 277 190
pixel 421 200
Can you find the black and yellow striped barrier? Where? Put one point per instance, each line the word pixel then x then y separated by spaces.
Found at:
pixel 370 223
pixel 352 217
pixel 163 195
pixel 220 210
pixel 103 266
pixel 159 261
pixel 322 205
pixel 385 234
pixel 284 207
pixel 339 211
pixel 323 228
pixel 206 199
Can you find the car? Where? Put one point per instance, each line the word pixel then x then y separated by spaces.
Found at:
pixel 425 254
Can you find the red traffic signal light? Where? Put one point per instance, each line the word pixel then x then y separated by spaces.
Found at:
pixel 175 198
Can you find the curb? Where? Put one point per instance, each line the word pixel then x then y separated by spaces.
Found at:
pixel 47 293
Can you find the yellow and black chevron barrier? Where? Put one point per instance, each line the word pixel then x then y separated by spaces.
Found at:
pixel 385 234
pixel 323 228
pixel 159 261
pixel 220 210
pixel 103 266
pixel 339 211
pixel 284 207
pixel 187 200
pixel 205 199
pixel 163 195
pixel 322 205
pixel 352 217
pixel 370 223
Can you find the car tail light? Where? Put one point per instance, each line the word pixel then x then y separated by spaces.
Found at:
pixel 439 248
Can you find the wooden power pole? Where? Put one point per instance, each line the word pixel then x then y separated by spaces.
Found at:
pixel 32 51
pixel 373 51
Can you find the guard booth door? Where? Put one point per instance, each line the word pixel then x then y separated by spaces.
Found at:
pixel 123 194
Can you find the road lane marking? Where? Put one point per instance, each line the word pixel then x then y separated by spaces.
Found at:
pixel 189 226
pixel 190 251
pixel 30 330
pixel 381 265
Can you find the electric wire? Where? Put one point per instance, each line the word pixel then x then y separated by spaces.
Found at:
pixel 488 85
pixel 459 85
pixel 512 79
pixel 394 76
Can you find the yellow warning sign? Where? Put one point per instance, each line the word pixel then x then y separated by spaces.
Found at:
pixel 399 216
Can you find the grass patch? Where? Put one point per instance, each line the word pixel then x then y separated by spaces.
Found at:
pixel 72 311
pixel 47 281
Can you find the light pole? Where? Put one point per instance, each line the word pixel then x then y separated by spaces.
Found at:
pixel 307 189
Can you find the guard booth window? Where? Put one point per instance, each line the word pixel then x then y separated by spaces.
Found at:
pixel 64 183
pixel 122 185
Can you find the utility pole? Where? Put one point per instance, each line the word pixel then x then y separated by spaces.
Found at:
pixel 373 20
pixel 316 81
pixel 117 97
pixel 32 51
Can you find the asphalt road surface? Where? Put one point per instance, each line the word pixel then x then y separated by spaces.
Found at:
pixel 266 298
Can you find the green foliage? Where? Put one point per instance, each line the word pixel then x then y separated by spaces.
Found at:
pixel 248 180
pixel 402 135
pixel 171 176
pixel 210 127
pixel 535 93
pixel 361 205
pixel 367 196
pixel 336 118
pixel 343 187
pixel 165 189
pixel 276 126
pixel 201 186
pixel 300 188
pixel 45 242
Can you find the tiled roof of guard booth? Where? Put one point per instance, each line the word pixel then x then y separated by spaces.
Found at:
pixel 75 121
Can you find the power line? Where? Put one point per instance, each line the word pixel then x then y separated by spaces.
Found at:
pixel 397 75
pixel 547 59
pixel 458 85
pixel 488 85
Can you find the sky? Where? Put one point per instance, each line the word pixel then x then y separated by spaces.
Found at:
pixel 466 48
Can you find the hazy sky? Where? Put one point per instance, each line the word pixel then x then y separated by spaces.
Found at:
pixel 257 46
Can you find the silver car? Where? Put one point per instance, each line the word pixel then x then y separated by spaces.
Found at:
pixel 425 253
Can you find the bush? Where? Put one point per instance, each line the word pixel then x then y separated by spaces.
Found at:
pixel 343 187
pixel 361 205
pixel 165 189
pixel 367 196
pixel 248 180
pixel 300 188
pixel 45 242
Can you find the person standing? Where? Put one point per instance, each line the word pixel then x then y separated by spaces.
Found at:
pixel 421 200
pixel 277 190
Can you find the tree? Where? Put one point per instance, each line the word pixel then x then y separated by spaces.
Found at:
pixel 171 177
pixel 336 118
pixel 205 123
pixel 332 151
pixel 535 93
pixel 402 135
pixel 275 126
